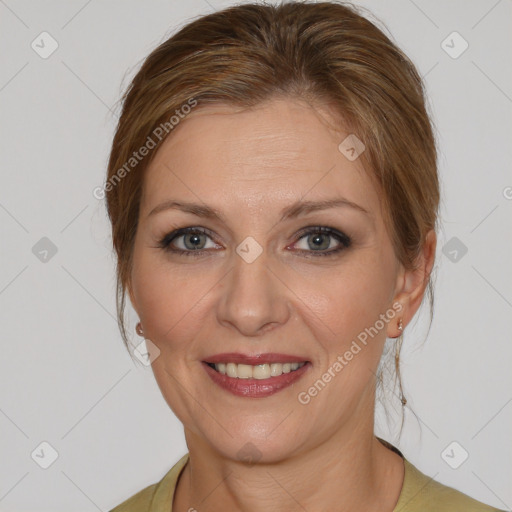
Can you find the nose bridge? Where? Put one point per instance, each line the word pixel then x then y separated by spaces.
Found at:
pixel 253 298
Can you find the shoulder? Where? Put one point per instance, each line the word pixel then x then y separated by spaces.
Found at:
pixel 421 493
pixel 138 502
pixel 156 497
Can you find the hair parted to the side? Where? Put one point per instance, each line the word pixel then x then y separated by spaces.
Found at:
pixel 323 52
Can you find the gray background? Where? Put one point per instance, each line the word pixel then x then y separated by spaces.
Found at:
pixel 66 377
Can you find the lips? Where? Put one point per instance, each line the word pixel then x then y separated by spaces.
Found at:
pixel 267 358
pixel 254 388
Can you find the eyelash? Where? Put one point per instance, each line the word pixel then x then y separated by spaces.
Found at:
pixel 345 240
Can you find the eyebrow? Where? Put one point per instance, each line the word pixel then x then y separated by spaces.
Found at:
pixel 292 211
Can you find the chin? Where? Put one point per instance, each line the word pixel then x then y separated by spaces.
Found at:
pixel 257 442
pixel 258 452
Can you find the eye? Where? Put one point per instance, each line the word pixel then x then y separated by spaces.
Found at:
pixel 191 241
pixel 323 241
pixel 316 241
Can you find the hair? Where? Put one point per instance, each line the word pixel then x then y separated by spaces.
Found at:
pixel 322 52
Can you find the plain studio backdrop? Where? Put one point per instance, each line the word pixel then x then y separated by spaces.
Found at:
pixel 83 426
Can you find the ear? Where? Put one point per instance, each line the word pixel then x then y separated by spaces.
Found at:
pixel 411 284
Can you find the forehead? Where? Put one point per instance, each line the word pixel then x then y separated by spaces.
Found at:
pixel 279 151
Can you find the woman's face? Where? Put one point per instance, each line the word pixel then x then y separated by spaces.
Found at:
pixel 262 279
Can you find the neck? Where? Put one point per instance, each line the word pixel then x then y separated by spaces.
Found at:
pixel 349 471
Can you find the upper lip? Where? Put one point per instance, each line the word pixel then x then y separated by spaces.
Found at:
pixel 239 358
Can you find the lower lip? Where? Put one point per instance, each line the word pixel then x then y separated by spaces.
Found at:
pixel 255 388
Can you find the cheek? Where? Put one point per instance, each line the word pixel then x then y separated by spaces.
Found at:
pixel 169 299
pixel 348 297
pixel 349 301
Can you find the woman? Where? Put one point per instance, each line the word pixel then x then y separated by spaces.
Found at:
pixel 273 194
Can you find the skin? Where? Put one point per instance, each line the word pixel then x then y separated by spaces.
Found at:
pixel 250 164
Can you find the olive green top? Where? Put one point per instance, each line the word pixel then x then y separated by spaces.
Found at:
pixel 419 493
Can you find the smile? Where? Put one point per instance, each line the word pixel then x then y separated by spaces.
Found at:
pixel 255 381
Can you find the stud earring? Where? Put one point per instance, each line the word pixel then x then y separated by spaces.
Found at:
pixel 138 329
pixel 400 325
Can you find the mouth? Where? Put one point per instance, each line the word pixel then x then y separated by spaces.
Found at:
pixel 255 376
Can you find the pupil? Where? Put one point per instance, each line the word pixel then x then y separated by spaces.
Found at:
pixel 194 241
pixel 317 241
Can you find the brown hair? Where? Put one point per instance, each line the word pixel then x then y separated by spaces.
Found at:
pixel 243 55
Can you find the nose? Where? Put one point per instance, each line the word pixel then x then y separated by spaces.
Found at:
pixel 254 300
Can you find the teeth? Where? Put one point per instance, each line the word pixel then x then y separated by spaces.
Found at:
pixel 260 371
